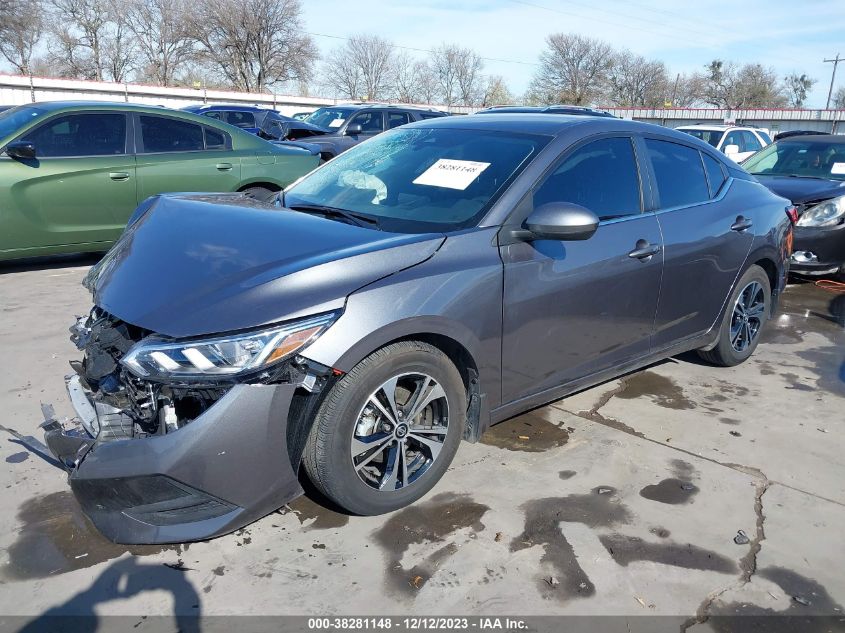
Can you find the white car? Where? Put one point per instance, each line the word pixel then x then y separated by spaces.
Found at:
pixel 736 142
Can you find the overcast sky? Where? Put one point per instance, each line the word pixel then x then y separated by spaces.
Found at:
pixel 789 35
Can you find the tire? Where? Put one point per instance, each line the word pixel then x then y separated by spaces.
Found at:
pixel 738 335
pixel 262 194
pixel 351 413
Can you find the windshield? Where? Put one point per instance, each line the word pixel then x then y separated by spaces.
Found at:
pixel 708 136
pixel 420 180
pixel 813 159
pixel 329 117
pixel 15 118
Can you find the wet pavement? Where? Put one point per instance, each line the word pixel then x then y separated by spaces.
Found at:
pixel 623 499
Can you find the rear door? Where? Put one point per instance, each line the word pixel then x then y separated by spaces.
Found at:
pixel 573 308
pixel 79 189
pixel 179 155
pixel 706 238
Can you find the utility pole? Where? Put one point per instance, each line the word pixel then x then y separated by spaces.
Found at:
pixel 835 63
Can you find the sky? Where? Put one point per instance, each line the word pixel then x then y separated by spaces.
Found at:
pixel 788 35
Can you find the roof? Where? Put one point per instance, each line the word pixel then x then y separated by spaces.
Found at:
pixel 827 139
pixel 553 109
pixel 225 106
pixel 716 126
pixel 360 105
pixel 51 106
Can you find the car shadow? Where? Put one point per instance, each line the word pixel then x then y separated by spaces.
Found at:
pixel 125 578
pixel 53 262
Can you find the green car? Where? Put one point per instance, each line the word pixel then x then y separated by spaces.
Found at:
pixel 71 173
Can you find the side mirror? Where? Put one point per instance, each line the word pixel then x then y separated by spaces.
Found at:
pixel 730 149
pixel 353 129
pixel 561 221
pixel 21 150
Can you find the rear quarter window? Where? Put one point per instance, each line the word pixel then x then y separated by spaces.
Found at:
pixel 715 174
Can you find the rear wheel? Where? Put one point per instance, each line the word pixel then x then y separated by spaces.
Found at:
pixel 388 430
pixel 748 310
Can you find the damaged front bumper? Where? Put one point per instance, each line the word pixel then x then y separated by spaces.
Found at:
pixel 226 468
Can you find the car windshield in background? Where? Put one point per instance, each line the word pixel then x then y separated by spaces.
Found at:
pixel 419 180
pixel 13 119
pixel 810 159
pixel 708 136
pixel 329 117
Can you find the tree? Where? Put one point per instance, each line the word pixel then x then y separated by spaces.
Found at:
pixel 426 83
pixel 686 91
pixel 573 69
pixel 727 85
pixel 253 44
pixel 797 87
pixel 634 81
pixel 90 40
pixel 363 64
pixel 838 100
pixel 161 33
pixel 496 92
pixel 458 72
pixel 407 79
pixel 21 25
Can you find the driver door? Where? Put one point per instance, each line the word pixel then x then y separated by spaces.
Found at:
pixel 573 308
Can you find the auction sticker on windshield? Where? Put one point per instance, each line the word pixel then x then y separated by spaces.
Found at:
pixel 452 174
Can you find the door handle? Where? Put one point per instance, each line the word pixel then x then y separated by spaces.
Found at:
pixel 644 250
pixel 224 166
pixel 119 175
pixel 742 223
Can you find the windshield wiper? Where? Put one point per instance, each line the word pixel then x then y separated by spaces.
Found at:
pixel 358 219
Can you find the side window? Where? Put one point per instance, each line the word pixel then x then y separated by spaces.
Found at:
pixel 163 134
pixel 94 134
pixel 750 142
pixel 715 174
pixel 370 122
pixel 214 114
pixel 240 119
pixel 601 176
pixel 763 135
pixel 679 173
pixel 215 139
pixel 395 119
pixel 733 138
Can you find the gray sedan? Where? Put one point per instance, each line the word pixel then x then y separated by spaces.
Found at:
pixel 426 284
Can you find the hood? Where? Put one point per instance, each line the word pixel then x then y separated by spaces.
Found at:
pixel 190 267
pixel 801 190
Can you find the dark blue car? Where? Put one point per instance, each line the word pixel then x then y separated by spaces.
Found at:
pixel 267 124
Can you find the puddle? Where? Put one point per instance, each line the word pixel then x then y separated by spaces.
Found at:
pixel 530 432
pixel 627 549
pixel 660 532
pixel 731 421
pixel 323 518
pixel 675 490
pixel 542 527
pixel 17 458
pixel 820 614
pixel 429 522
pixel 663 391
pixel 567 474
pixel 55 537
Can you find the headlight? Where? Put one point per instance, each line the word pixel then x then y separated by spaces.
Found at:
pixel 221 356
pixel 827 213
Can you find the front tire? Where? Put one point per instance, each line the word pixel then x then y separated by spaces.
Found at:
pixel 388 430
pixel 747 312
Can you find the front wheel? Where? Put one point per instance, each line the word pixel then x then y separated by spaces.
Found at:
pixel 747 312
pixel 388 430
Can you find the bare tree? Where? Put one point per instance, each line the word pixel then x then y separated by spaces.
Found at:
pixel 363 64
pixel 458 72
pixel 573 69
pixel 90 40
pixel 496 92
pixel 797 87
pixel 686 91
pixel 253 44
pixel 161 34
pixel 21 25
pixel 404 80
pixel 727 85
pixel 635 81
pixel 427 82
pixel 838 100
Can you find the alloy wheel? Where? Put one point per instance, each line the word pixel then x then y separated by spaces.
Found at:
pixel 747 316
pixel 400 431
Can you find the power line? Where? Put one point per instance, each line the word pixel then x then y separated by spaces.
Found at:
pixel 835 61
pixel 428 50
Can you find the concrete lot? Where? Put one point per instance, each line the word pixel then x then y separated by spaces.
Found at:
pixel 625 499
